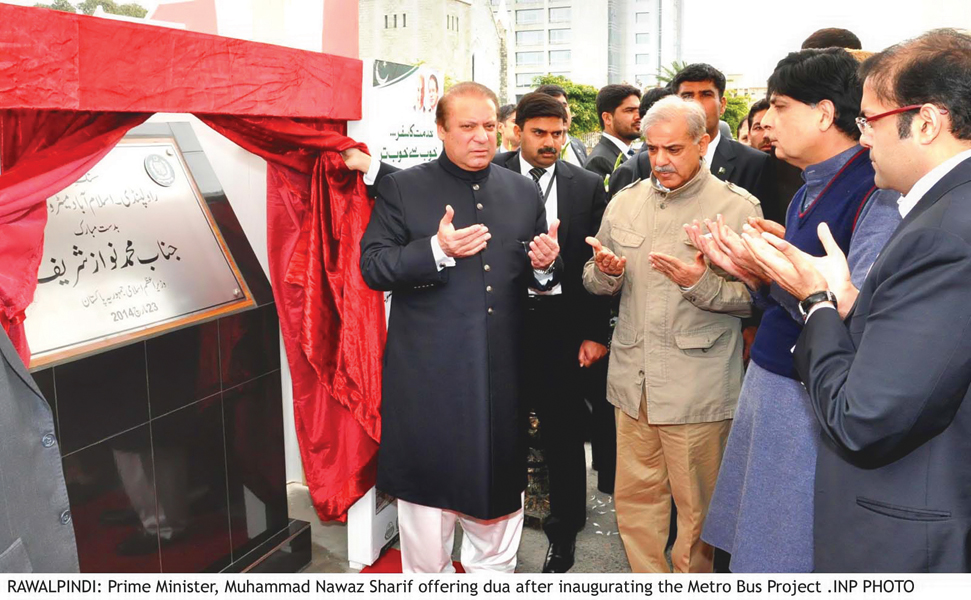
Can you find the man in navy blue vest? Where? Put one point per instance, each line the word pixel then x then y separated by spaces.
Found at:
pixel 888 365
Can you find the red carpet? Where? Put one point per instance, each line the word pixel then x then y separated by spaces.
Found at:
pixel 390 562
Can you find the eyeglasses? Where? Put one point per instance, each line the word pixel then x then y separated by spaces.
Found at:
pixel 866 123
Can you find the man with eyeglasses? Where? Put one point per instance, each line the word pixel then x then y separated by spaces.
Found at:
pixel 888 364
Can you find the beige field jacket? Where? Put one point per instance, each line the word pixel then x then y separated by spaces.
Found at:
pixel 683 348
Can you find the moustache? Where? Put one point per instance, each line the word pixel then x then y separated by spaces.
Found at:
pixel 547 150
pixel 665 169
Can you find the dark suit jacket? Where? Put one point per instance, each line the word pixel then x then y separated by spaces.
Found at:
pixel 580 150
pixel 36 534
pixel 580 200
pixel 891 388
pixel 602 158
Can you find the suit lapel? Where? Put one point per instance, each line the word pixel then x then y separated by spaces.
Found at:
pixel 723 164
pixel 564 200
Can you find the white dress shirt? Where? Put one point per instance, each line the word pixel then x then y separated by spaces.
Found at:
pixel 624 148
pixel 710 154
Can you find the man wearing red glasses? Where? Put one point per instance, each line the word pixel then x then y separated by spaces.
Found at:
pixel 888 366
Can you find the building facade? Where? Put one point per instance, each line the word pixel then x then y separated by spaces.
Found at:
pixel 595 42
pixel 460 37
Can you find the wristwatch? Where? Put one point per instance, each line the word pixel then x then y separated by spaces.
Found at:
pixel 813 299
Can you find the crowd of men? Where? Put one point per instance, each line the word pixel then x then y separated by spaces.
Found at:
pixel 791 350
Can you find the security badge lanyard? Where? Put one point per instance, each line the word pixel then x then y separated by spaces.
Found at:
pixel 549 188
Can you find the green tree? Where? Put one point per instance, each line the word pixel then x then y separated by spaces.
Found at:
pixel 736 109
pixel 583 102
pixel 132 9
pixel 62 5
pixel 666 74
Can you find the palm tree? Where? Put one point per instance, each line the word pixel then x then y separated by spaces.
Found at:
pixel 666 74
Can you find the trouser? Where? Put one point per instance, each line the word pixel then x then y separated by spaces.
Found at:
pixel 603 434
pixel 550 376
pixel 427 535
pixel 654 463
pixel 156 488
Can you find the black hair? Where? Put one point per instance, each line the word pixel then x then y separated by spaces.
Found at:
pixel 699 72
pixel 505 111
pixel 535 105
pixel 650 97
pixel 551 89
pixel 610 97
pixel 832 37
pixel 811 76
pixel 934 68
pixel 759 106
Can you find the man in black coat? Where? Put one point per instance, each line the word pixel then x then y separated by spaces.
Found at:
pixel 566 327
pixel 728 159
pixel 617 108
pixel 891 384
pixel 639 167
pixel 459 242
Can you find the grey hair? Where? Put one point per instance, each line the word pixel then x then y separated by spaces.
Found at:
pixel 673 108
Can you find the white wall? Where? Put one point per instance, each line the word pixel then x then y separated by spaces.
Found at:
pixel 243 178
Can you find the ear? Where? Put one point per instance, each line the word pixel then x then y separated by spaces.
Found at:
pixel 608 118
pixel 930 124
pixel 441 132
pixel 723 106
pixel 827 114
pixel 703 145
pixel 516 131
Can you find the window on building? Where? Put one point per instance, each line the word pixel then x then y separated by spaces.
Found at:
pixel 559 57
pixel 561 36
pixel 529 17
pixel 395 21
pixel 526 79
pixel 642 17
pixel 404 20
pixel 385 21
pixel 643 59
pixel 560 14
pixel 529 38
pixel 642 38
pixel 529 58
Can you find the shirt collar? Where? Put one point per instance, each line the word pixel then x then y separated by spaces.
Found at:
pixel 710 153
pixel 617 142
pixel 525 167
pixel 907 203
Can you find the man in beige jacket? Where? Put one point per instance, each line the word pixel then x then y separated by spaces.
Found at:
pixel 676 357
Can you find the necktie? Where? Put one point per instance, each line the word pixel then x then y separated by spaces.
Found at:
pixel 537 173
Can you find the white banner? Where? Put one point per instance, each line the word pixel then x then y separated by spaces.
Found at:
pixel 532 586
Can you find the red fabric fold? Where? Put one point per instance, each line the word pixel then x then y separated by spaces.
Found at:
pixel 41 153
pixel 332 323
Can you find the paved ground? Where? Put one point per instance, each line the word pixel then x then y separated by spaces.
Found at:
pixel 599 549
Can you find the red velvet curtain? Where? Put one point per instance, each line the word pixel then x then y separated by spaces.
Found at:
pixel 41 153
pixel 332 323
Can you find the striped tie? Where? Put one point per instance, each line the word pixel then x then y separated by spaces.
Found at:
pixel 537 173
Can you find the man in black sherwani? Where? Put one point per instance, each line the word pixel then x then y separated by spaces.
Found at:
pixel 459 242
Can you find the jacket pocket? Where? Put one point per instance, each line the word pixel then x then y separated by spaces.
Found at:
pixel 15 560
pixel 907 513
pixel 627 238
pixel 624 333
pixel 703 343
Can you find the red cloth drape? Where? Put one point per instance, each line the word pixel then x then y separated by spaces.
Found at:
pixel 332 323
pixel 41 153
